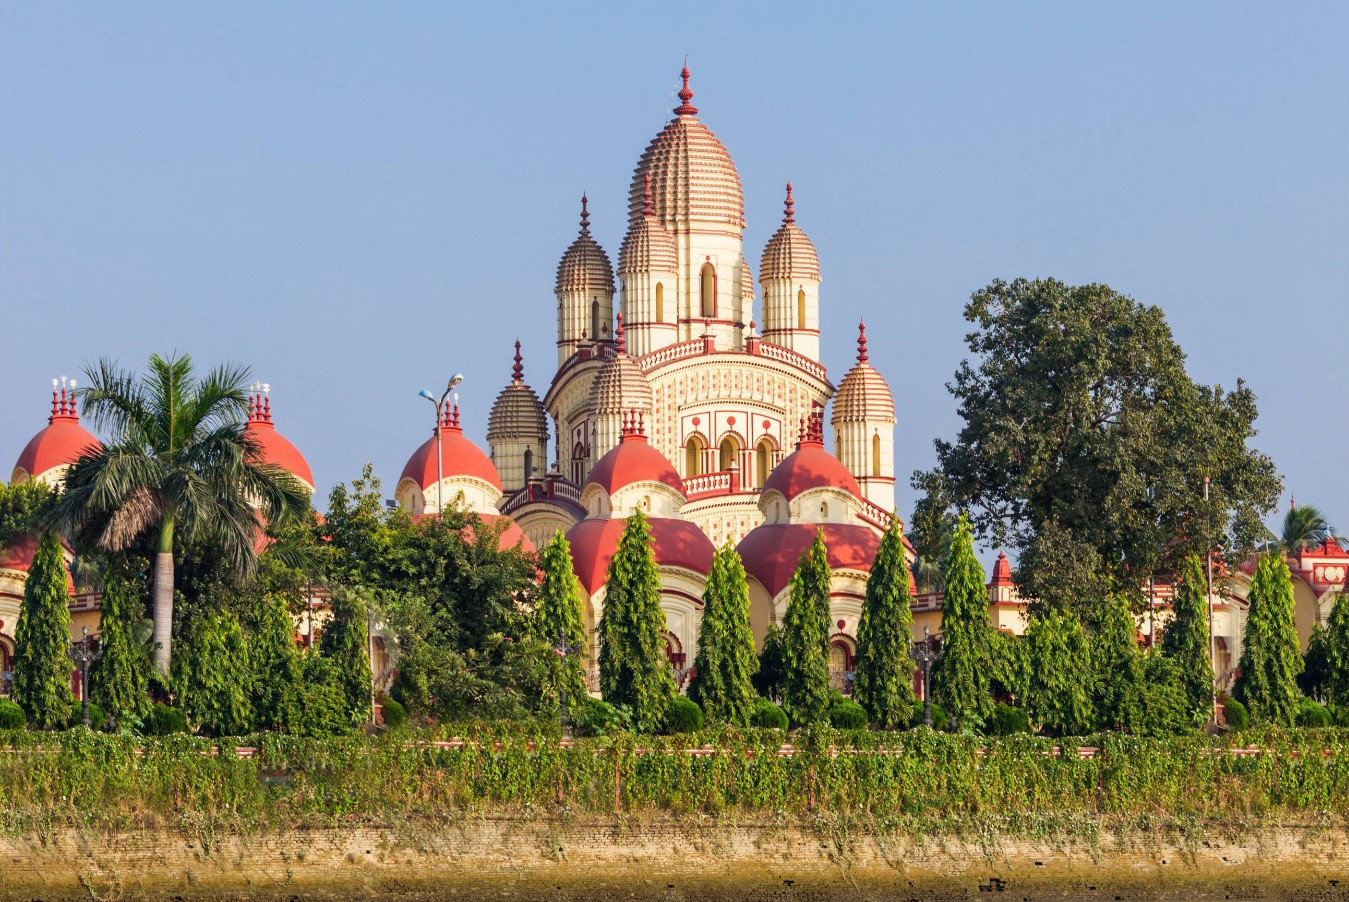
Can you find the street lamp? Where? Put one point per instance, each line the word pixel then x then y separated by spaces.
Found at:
pixel 440 407
pixel 83 653
pixel 926 656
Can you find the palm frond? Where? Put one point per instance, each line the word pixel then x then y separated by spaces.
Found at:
pixel 115 401
pixel 140 512
pixel 221 397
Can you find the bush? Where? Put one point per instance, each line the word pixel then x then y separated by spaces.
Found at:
pixel 395 715
pixel 96 716
pixel 11 715
pixel 1236 715
pixel 682 715
pixel 767 715
pixel 940 719
pixel 1007 721
pixel 1311 714
pixel 1341 715
pixel 846 714
pixel 164 721
pixel 593 717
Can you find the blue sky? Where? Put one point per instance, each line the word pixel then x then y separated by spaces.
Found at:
pixel 357 200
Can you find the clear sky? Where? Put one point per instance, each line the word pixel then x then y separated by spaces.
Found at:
pixel 358 200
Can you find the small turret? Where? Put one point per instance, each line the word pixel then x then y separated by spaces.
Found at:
pixel 585 291
pixel 790 275
pixel 648 266
pixel 517 431
pixel 864 427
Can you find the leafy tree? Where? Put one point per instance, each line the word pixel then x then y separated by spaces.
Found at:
pixel 725 664
pixel 277 678
pixel 1084 443
pixel 345 646
pixel 1337 652
pixel 770 679
pixel 1303 526
pixel 1314 680
pixel 1165 705
pixel 1270 656
pixel 805 633
pixel 559 617
pixel 180 466
pixel 960 679
pixel 633 668
pixel 931 529
pixel 212 677
pixel 1117 667
pixel 1058 691
pixel 884 682
pixel 42 664
pixel 1185 640
pixel 119 679
pixel 23 506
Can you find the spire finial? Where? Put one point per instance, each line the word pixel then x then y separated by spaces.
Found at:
pixel 641 422
pixel 648 208
pixel 55 402
pixel 620 336
pixel 585 215
pixel 685 95
pixel 862 355
pixel 791 206
pixel 518 371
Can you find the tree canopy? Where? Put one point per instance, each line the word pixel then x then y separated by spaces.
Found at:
pixel 885 667
pixel 1270 655
pixel 805 637
pixel 725 664
pixel 961 678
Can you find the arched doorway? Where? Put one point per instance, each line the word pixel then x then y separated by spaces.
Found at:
pixel 693 457
pixel 729 453
pixel 841 665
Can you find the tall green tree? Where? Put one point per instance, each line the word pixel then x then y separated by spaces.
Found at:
pixel 1186 640
pixel 178 466
pixel 277 672
pixel 1337 651
pixel 1314 680
pixel 1117 667
pixel 42 665
pixel 1085 441
pixel 771 676
pixel 1270 656
pixel 119 679
pixel 725 664
pixel 805 635
pixel 1303 526
pixel 345 644
pixel 212 678
pixel 633 667
pixel 1058 691
pixel 885 667
pixel 960 680
pixel 930 530
pixel 560 619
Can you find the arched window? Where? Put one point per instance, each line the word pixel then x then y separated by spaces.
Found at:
pixel 800 308
pixel 875 455
pixel 594 320
pixel 529 463
pixel 762 456
pixel 730 450
pixel 840 666
pixel 708 286
pixel 660 302
pixel 578 453
pixel 693 457
pixel 824 508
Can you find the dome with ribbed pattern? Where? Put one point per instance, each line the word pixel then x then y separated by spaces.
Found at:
pixel 789 254
pixel 863 396
pixel 647 247
pixel 585 266
pixel 621 386
pixel 517 411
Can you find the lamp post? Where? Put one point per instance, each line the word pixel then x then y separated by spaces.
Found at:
pixel 926 656
pixel 440 407
pixel 83 653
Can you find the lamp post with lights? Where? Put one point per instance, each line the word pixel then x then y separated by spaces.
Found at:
pixel 440 408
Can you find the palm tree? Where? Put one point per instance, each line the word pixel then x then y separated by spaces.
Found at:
pixel 178 465
pixel 1303 527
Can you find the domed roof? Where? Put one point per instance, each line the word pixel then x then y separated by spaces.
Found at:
pixel 620 385
pixel 746 284
pixel 863 395
pixel 60 443
pixel 19 553
pixel 789 254
pixel 675 543
pixel 633 460
pixel 585 265
pixel 771 551
pixel 273 447
pixel 458 457
pixel 517 411
pixel 692 175
pixel 810 467
pixel 647 247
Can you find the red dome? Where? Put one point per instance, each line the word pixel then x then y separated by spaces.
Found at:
pixel 458 457
pixel 772 551
pixel 19 554
pixel 278 450
pixel 60 443
pixel 634 460
pixel 810 467
pixel 675 543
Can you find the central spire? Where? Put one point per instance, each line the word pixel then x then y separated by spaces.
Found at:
pixel 790 215
pixel 585 215
pixel 685 95
pixel 518 371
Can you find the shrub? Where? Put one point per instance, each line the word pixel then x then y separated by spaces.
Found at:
pixel 164 721
pixel 395 715
pixel 767 715
pixel 847 715
pixel 1311 714
pixel 1341 715
pixel 11 715
pixel 1238 718
pixel 96 716
pixel 940 719
pixel 1007 721
pixel 593 717
pixel 683 715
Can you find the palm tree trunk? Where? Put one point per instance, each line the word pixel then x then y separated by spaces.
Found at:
pixel 163 598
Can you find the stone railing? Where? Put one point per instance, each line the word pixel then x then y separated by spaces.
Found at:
pixel 786 355
pixel 671 353
pixel 875 514
pixel 542 490
pixel 708 484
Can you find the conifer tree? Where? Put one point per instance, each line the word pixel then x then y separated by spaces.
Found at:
pixel 212 676
pixel 805 633
pixel 1314 680
pixel 885 667
pixel 119 679
pixel 559 617
pixel 769 679
pixel 960 680
pixel 725 664
pixel 1337 651
pixel 345 645
pixel 1058 691
pixel 1117 667
pixel 277 671
pixel 42 664
pixel 1270 656
pixel 1186 640
pixel 633 668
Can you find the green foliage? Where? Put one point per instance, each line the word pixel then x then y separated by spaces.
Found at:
pixel 1186 640
pixel 1236 715
pixel 164 721
pixel 119 679
pixel 961 677
pixel 1303 527
pixel 770 679
pixel 23 506
pixel 276 684
pixel 11 715
pixel 560 618
pixel 395 715
pixel 725 664
pixel 1009 670
pixel 1007 720
pixel 767 715
pixel 845 714
pixel 42 664
pixel 345 646
pixel 1084 438
pixel 1058 694
pixel 682 715
pixel 1314 680
pixel 1165 709
pixel 931 529
pixel 805 635
pixel 1311 714
pixel 212 677
pixel 325 709
pixel 1117 668
pixel 75 716
pixel 940 719
pixel 1337 652
pixel 1270 656
pixel 594 717
pixel 633 668
pixel 884 671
